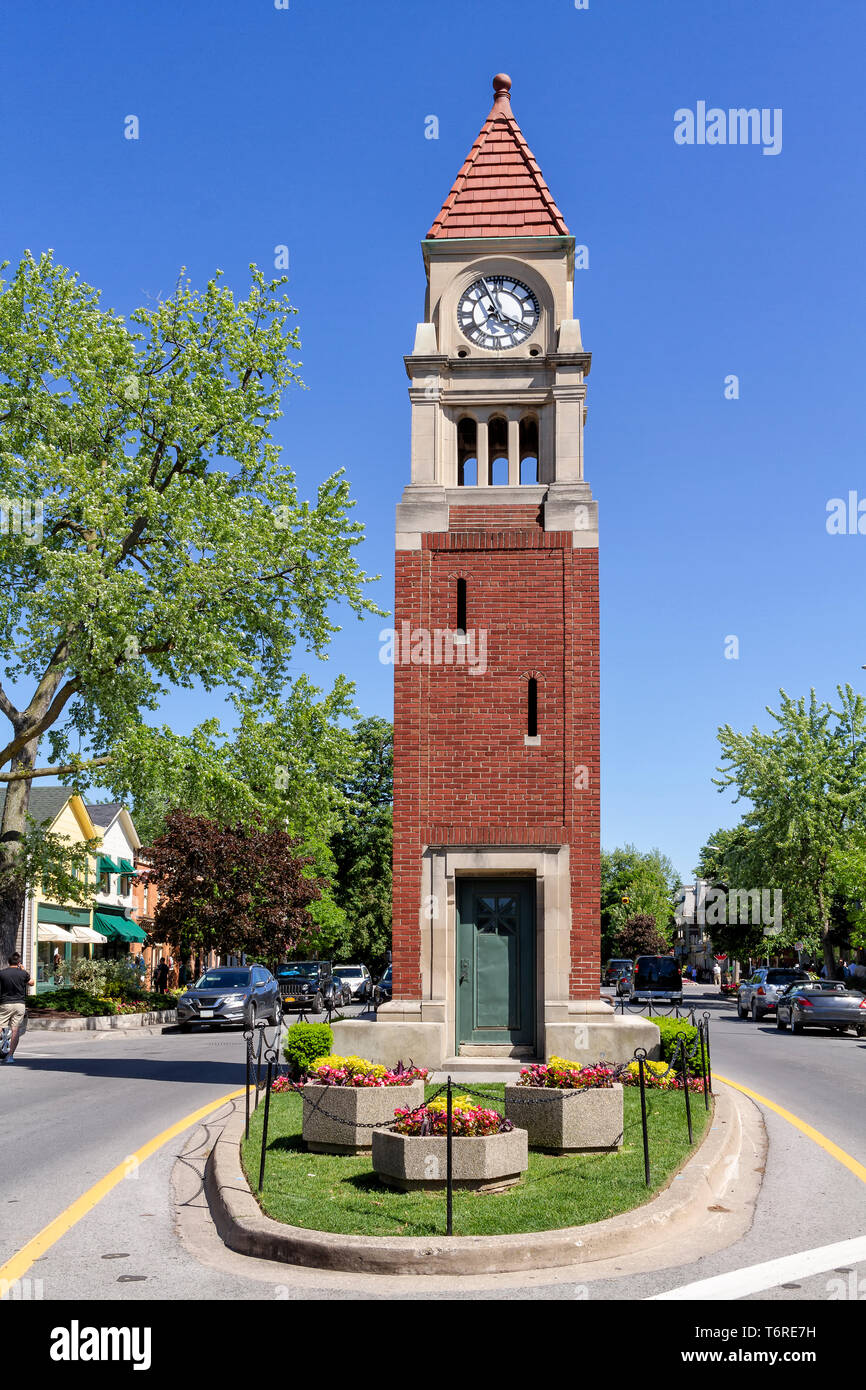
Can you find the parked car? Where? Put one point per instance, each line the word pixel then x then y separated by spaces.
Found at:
pixel 657 978
pixel 243 995
pixel 758 995
pixel 382 990
pixel 359 980
pixel 821 1004
pixel 306 985
pixel 625 980
pixel 342 992
pixel 615 970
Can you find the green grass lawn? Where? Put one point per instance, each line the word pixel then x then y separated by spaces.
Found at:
pixel 325 1192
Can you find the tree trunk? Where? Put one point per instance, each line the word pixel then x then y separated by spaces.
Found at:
pixel 13 891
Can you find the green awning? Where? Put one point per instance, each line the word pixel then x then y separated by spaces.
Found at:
pixel 106 865
pixel 63 916
pixel 117 928
pixel 126 867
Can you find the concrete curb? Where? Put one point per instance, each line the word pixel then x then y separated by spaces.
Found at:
pixel 717 1170
pixel 98 1022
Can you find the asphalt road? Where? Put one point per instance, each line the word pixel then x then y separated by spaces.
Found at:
pixel 76 1105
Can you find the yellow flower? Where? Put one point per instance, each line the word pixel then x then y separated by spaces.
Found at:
pixel 355 1066
pixel 457 1103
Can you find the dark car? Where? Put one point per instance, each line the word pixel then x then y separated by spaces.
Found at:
pixel 382 989
pixel 821 1004
pixel 342 992
pixel 307 985
pixel 616 971
pixel 243 994
pixel 657 977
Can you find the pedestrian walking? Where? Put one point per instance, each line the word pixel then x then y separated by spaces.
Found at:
pixel 160 976
pixel 14 983
pixel 717 975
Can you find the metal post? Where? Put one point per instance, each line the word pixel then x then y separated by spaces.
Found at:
pixel 709 1058
pixel 270 1073
pixel 684 1073
pixel 449 1167
pixel 640 1054
pixel 249 1039
pixel 704 1065
pixel 261 1033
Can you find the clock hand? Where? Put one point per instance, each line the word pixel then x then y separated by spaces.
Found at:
pixel 491 297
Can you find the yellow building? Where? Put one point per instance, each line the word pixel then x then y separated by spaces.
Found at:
pixel 52 934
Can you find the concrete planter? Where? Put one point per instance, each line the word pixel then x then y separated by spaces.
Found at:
pixel 588 1120
pixel 355 1106
pixel 486 1163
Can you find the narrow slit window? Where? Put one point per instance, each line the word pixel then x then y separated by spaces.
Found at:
pixel 461 605
pixel 467 452
pixel 532 708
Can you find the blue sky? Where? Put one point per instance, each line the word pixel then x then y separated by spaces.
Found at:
pixel 305 126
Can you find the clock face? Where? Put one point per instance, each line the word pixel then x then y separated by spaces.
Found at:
pixel 498 312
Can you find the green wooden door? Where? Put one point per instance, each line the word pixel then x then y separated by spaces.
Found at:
pixel 496 961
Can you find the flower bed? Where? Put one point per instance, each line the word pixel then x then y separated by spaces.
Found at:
pixel 467 1119
pixel 581 1110
pixel 658 1077
pixel 346 1097
pixel 487 1152
pixel 358 1071
pixel 560 1074
pixel 80 1003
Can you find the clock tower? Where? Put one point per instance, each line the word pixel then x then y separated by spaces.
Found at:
pixel 496 931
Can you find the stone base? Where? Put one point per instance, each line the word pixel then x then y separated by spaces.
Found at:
pixel 568 1121
pixel 582 1031
pixel 594 1039
pixel 485 1163
pixel 388 1043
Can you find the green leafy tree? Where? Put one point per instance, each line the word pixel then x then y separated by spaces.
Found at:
pixel 639 936
pixel 234 890
pixel 152 537
pixel 363 848
pixel 635 882
pixel 728 860
pixel 806 782
pixel 287 762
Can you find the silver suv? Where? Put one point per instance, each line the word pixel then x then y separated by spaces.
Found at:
pixel 759 994
pixel 242 994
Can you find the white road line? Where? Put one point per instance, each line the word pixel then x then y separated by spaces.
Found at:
pixel 756 1278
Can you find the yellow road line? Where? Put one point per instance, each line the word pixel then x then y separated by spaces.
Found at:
pixel 50 1234
pixel 853 1166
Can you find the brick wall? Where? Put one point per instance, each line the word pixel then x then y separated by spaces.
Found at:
pixel 462 771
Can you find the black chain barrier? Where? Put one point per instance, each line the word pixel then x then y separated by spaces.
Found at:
pixel 645 1008
pixel 678 1065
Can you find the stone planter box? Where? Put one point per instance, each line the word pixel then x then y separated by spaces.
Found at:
pixel 568 1121
pixel 357 1106
pixel 486 1163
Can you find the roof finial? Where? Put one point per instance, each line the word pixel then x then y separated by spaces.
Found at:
pixel 502 88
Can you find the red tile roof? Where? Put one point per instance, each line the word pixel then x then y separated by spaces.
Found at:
pixel 500 191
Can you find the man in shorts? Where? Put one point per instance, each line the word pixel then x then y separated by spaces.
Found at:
pixel 14 983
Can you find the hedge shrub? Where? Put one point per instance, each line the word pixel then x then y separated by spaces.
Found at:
pixel 305 1044
pixel 670 1030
